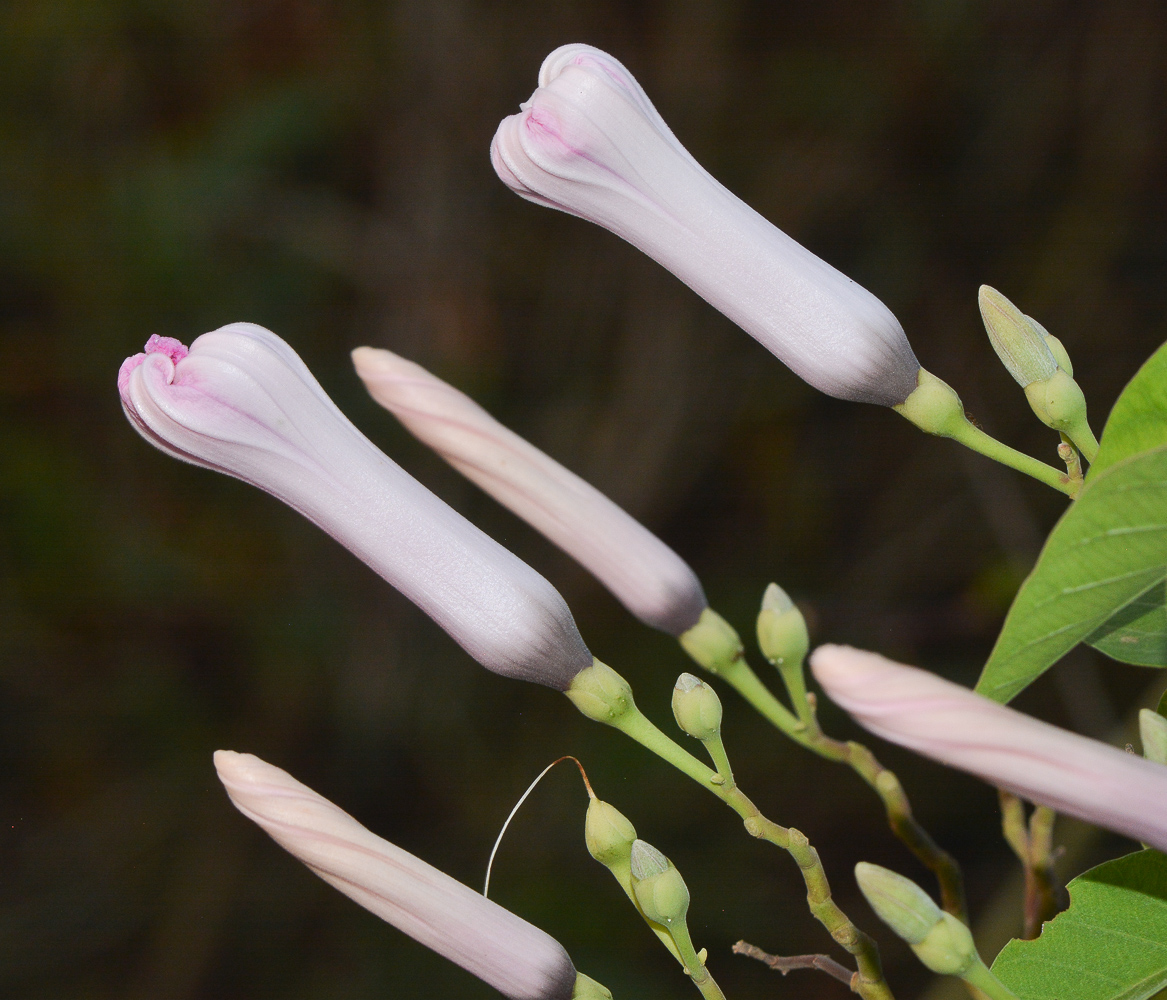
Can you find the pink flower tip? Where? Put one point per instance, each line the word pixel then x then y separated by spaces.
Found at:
pixel 174 349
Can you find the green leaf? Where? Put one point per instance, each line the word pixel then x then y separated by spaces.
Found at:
pixel 1102 576
pixel 1111 944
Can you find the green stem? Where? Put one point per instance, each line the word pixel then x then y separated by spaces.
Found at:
pixel 740 676
pixel 870 983
pixel 716 750
pixel 701 976
pixel 974 438
pixel 983 979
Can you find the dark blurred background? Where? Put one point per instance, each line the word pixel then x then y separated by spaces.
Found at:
pixel 167 166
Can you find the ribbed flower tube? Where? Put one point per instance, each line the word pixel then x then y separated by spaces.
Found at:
pixel 589 142
pixel 1039 762
pixel 515 957
pixel 643 573
pixel 242 402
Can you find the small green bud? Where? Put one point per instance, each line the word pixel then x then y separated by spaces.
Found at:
pixel 713 642
pixel 1019 344
pixel 696 707
pixel 948 950
pixel 1153 730
pixel 600 693
pixel 934 406
pixel 660 890
pixel 608 834
pixel 588 989
pixel 898 902
pixel 782 634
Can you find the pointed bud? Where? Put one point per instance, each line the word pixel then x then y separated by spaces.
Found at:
pixel 660 890
pixel 241 402
pixel 696 707
pixel 590 143
pixel 1016 339
pixel 609 835
pixel 600 693
pixel 713 642
pixel 643 573
pixel 1036 761
pixel 1153 731
pixel 939 940
pixel 513 956
pixel 898 901
pixel 782 634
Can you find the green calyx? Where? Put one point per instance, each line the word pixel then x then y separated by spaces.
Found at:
pixel 948 949
pixel 659 888
pixel 588 989
pixel 600 693
pixel 696 707
pixel 713 643
pixel 1059 403
pixel 934 407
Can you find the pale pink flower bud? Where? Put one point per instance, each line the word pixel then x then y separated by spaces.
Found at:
pixel 242 402
pixel 513 956
pixel 1032 759
pixel 590 143
pixel 644 574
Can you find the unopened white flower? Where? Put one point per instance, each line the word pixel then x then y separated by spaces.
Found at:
pixel 241 402
pixel 589 142
pixel 500 948
pixel 644 574
pixel 1039 762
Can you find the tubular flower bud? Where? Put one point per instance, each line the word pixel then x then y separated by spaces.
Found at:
pixel 1032 759
pixel 515 957
pixel 643 573
pixel 241 402
pixel 589 142
pixel 1019 343
pixel 696 707
pixel 1153 732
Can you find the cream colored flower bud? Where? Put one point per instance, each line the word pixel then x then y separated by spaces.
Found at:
pixel 696 707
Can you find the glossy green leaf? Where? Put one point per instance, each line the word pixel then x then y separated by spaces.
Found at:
pixel 1111 944
pixel 1102 576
